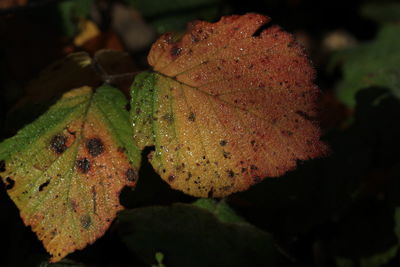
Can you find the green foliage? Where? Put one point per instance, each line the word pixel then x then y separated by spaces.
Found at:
pixel 187 234
pixel 159 258
pixel 71 12
pixel 375 63
pixel 173 15
pixel 220 209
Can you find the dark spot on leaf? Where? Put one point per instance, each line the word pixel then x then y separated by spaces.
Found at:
pixel 223 142
pixel 2 166
pixel 305 115
pixel 86 221
pixel 83 165
pixel 42 186
pixel 121 149
pixel 253 167
pixel 227 155
pixel 192 116
pixel 168 117
pixel 94 199
pixel 59 143
pixel 244 170
pixel 231 174
pixel 95 146
pixel 10 183
pixel 171 178
pixel 175 51
pixel 286 133
pixel 252 142
pixel 131 175
pixel 73 205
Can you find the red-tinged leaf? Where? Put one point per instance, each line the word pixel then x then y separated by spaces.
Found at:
pixel 65 170
pixel 226 107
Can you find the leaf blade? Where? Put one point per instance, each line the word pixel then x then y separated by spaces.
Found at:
pixel 66 178
pixel 230 107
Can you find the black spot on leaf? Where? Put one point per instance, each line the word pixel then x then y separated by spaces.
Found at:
pixel 168 117
pixel 175 51
pixel 59 143
pixel 95 146
pixel 42 186
pixel 86 221
pixel 171 178
pixel 227 155
pixel 83 165
pixel 231 174
pixel 192 116
pixel 223 142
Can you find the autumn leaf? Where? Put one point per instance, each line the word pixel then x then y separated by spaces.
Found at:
pixel 65 170
pixel 226 106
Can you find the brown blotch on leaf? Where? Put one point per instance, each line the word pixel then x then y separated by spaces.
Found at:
pixel 121 149
pixel 223 143
pixel 58 143
pixel 86 221
pixel 171 178
pixel 305 115
pixel 192 116
pixel 231 174
pixel 42 186
pixel 2 165
pixel 10 183
pixel 83 165
pixel 227 155
pixel 131 175
pixel 253 167
pixel 175 51
pixel 73 205
pixel 168 117
pixel 95 146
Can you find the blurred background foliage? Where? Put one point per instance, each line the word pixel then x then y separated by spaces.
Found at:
pixel 342 210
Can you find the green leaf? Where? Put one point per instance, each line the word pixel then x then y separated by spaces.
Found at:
pixel 376 63
pixel 65 170
pixel 173 15
pixel 189 235
pixel 220 209
pixel 71 11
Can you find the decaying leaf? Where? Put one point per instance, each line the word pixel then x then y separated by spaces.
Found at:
pixel 65 170
pixel 226 106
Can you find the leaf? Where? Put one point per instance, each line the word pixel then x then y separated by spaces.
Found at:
pixel 226 107
pixel 73 71
pixel 220 209
pixel 173 15
pixel 65 170
pixel 189 235
pixel 370 64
